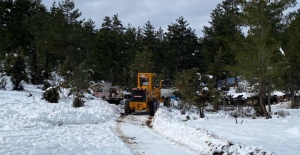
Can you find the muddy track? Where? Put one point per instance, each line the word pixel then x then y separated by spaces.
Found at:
pixel 137 133
pixel 130 141
pixel 127 140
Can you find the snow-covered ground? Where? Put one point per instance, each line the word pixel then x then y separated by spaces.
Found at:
pixel 136 131
pixel 29 125
pixel 277 135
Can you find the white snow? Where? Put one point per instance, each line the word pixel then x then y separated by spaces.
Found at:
pixel 144 141
pixel 279 135
pixel 31 126
pixel 282 52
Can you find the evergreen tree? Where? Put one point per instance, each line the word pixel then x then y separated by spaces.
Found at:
pixel 182 46
pixel 142 63
pixel 5 34
pixel 20 10
pixel 149 37
pixel 188 84
pixel 70 38
pixel 291 47
pixel 79 80
pixel 37 27
pixel 218 38
pixel 160 56
pixel 16 68
pixel 151 41
pixel 255 60
pixel 109 51
pixel 131 49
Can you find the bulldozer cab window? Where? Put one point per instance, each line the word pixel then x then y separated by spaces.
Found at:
pixel 112 90
pixel 144 81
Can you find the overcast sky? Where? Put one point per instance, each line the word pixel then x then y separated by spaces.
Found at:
pixel 160 13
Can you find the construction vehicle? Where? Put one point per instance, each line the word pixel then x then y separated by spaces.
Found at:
pixel 107 92
pixel 101 90
pixel 115 95
pixel 144 96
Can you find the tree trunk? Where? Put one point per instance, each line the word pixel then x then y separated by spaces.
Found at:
pixel 46 72
pixel 269 102
pixel 263 106
pixel 293 102
pixel 201 111
pixel 236 82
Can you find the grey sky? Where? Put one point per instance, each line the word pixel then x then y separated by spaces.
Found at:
pixel 160 13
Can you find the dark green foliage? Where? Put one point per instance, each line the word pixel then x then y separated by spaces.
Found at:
pixel 51 95
pixel 256 60
pixel 291 65
pixel 211 94
pixel 16 68
pixel 79 80
pixel 215 98
pixel 189 87
pixel 218 38
pixel 78 102
pixel 9 62
pixel 142 63
pixel 182 47
pixel 177 94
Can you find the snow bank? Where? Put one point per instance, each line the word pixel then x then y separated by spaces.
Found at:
pixel 28 111
pixel 170 125
pixel 31 126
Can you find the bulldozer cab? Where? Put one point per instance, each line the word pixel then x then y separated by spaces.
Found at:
pixel 145 80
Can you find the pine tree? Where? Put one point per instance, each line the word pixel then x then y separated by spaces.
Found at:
pixel 183 46
pixel 254 62
pixel 71 31
pixel 79 80
pixel 149 39
pixel 142 63
pixel 130 51
pixel 188 85
pixel 109 50
pixel 223 31
pixel 37 27
pixel 152 41
pixel 16 68
pixel 291 47
pixel 5 34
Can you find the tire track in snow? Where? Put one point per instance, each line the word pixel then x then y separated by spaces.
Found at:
pixel 136 132
pixel 129 141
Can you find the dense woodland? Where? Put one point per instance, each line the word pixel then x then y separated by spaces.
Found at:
pixel 35 41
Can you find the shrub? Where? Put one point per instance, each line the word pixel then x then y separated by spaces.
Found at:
pixel 46 85
pixel 16 67
pixel 78 102
pixel 51 95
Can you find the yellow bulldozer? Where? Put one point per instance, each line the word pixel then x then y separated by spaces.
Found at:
pixel 144 96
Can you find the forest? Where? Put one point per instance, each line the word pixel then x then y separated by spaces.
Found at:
pixel 257 40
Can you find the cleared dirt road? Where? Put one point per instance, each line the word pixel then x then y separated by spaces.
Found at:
pixel 135 130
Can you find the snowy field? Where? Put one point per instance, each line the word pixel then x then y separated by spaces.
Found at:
pixel 274 136
pixel 31 126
